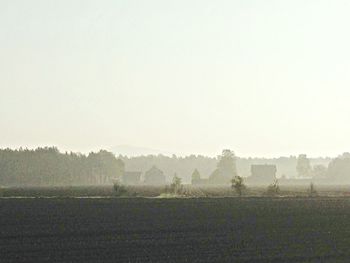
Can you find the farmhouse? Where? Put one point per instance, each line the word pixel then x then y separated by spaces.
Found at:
pixel 262 174
pixel 216 178
pixel 154 176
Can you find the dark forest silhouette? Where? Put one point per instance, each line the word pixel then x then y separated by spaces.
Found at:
pixel 47 166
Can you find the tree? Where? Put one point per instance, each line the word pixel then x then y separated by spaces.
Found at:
pixel 238 184
pixel 106 166
pixel 339 169
pixel 196 176
pixel 176 186
pixel 226 168
pixel 273 189
pixel 303 166
pixel 227 163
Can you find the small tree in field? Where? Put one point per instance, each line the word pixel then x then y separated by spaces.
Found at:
pixel 119 189
pixel 312 191
pixel 238 185
pixel 176 185
pixel 273 189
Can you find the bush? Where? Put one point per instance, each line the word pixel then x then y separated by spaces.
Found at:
pixel 238 184
pixel 176 186
pixel 273 189
pixel 119 189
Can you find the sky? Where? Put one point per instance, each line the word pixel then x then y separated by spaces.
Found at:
pixel 263 78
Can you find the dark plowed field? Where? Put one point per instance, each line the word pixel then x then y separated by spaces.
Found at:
pixel 175 230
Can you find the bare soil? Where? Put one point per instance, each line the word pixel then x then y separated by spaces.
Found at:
pixel 175 230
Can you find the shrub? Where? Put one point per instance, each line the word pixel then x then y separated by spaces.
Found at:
pixel 119 189
pixel 273 189
pixel 176 186
pixel 238 184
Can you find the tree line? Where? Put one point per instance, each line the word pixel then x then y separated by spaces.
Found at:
pixel 47 166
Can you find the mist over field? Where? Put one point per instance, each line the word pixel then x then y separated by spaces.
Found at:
pixel 171 85
pixel 195 93
pixel 174 131
pixel 266 79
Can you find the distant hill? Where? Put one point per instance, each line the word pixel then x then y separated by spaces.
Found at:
pixel 132 151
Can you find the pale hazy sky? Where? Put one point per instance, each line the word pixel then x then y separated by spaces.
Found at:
pixel 264 78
